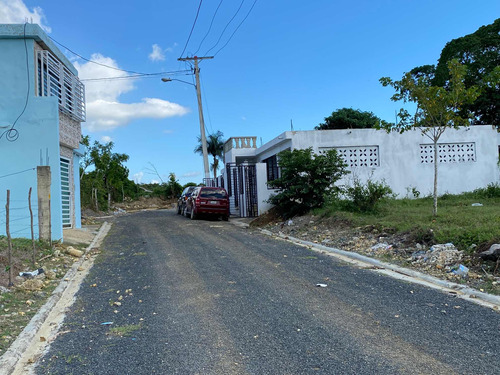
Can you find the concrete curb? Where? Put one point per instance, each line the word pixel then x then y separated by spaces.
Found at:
pixel 10 358
pixel 462 291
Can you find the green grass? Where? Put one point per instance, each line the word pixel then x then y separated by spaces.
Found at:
pixel 125 330
pixel 457 221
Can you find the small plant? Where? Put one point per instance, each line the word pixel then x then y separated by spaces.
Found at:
pixel 365 197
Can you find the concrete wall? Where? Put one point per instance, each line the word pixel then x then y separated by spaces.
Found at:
pixel 38 135
pixel 399 160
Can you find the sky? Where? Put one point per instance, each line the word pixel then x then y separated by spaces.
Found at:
pixel 275 62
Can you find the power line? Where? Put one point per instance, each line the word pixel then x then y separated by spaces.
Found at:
pixel 234 32
pixel 223 31
pixel 210 28
pixel 192 28
pixel 95 62
pixel 144 75
pixel 12 174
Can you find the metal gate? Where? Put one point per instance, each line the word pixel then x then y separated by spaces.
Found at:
pixel 242 189
pixel 66 194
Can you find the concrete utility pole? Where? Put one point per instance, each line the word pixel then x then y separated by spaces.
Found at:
pixel 200 109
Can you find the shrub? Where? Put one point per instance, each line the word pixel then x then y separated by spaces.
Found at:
pixel 306 181
pixel 365 197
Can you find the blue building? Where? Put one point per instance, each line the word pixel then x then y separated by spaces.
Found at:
pixel 42 105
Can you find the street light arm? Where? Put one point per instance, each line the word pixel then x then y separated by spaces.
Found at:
pixel 175 79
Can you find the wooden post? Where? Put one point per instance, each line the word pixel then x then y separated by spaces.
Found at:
pixel 32 232
pixel 9 241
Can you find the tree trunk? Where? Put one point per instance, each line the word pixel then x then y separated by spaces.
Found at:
pixel 109 200
pixel 215 168
pixel 435 196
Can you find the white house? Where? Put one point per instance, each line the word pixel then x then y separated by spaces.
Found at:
pixel 468 159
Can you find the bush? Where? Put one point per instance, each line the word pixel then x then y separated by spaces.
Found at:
pixel 364 198
pixel 307 180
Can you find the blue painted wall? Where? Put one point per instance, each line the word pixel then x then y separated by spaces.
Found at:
pixel 38 136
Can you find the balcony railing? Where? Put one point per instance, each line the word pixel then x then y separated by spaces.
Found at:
pixel 54 79
pixel 240 142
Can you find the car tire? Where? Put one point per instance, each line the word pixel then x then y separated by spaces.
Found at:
pixel 225 218
pixel 193 215
pixel 178 210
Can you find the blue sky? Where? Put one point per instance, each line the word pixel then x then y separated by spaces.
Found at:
pixel 289 60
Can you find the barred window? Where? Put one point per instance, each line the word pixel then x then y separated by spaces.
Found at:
pixel 272 168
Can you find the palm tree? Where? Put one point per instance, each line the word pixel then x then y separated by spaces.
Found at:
pixel 215 147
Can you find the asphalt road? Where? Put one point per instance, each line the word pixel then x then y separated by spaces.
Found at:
pixel 206 297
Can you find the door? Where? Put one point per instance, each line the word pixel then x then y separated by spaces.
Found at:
pixel 67 216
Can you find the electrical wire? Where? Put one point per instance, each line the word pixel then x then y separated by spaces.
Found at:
pixel 210 28
pixel 12 174
pixel 234 32
pixel 145 75
pixel 192 28
pixel 223 31
pixel 95 62
pixel 12 134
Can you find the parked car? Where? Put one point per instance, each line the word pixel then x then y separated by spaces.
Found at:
pixel 208 200
pixel 181 202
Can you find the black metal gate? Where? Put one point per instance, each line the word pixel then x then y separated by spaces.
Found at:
pixel 242 189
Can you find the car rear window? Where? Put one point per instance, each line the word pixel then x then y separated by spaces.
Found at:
pixel 213 193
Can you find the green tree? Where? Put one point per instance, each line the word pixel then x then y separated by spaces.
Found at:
pixel 480 52
pixel 109 174
pixel 215 147
pixel 306 180
pixel 174 189
pixel 348 118
pixel 438 108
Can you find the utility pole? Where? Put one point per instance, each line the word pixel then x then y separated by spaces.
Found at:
pixel 200 109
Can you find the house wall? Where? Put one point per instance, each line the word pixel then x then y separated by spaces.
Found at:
pixel 399 159
pixel 38 139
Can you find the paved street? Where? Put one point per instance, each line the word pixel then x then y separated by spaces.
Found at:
pixel 206 297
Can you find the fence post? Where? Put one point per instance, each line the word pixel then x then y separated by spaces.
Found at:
pixel 43 190
pixel 32 234
pixel 9 242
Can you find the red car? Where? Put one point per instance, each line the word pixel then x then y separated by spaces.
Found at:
pixel 208 200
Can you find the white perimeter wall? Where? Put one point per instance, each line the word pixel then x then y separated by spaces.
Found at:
pixel 399 158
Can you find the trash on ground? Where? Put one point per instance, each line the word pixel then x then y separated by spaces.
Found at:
pixel 106 323
pixel 32 273
pixel 72 251
pixel 477 205
pixel 493 253
pixel 441 255
pixel 321 285
pixel 461 271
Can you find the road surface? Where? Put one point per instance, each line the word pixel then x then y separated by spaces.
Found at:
pixel 207 297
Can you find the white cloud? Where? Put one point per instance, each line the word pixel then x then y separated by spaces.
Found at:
pixel 15 11
pixel 191 174
pixel 155 182
pixel 106 139
pixel 138 177
pixel 157 54
pixel 104 109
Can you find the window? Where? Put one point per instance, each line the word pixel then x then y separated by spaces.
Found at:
pixel 272 168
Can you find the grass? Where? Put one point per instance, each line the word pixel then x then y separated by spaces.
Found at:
pixel 457 221
pixel 125 330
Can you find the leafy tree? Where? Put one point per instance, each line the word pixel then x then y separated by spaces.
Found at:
pixel 173 187
pixel 306 180
pixel 438 108
pixel 480 52
pixel 189 184
pixel 215 147
pixel 109 175
pixel 348 118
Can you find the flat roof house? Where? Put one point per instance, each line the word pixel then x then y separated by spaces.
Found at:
pixel 467 160
pixel 42 105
